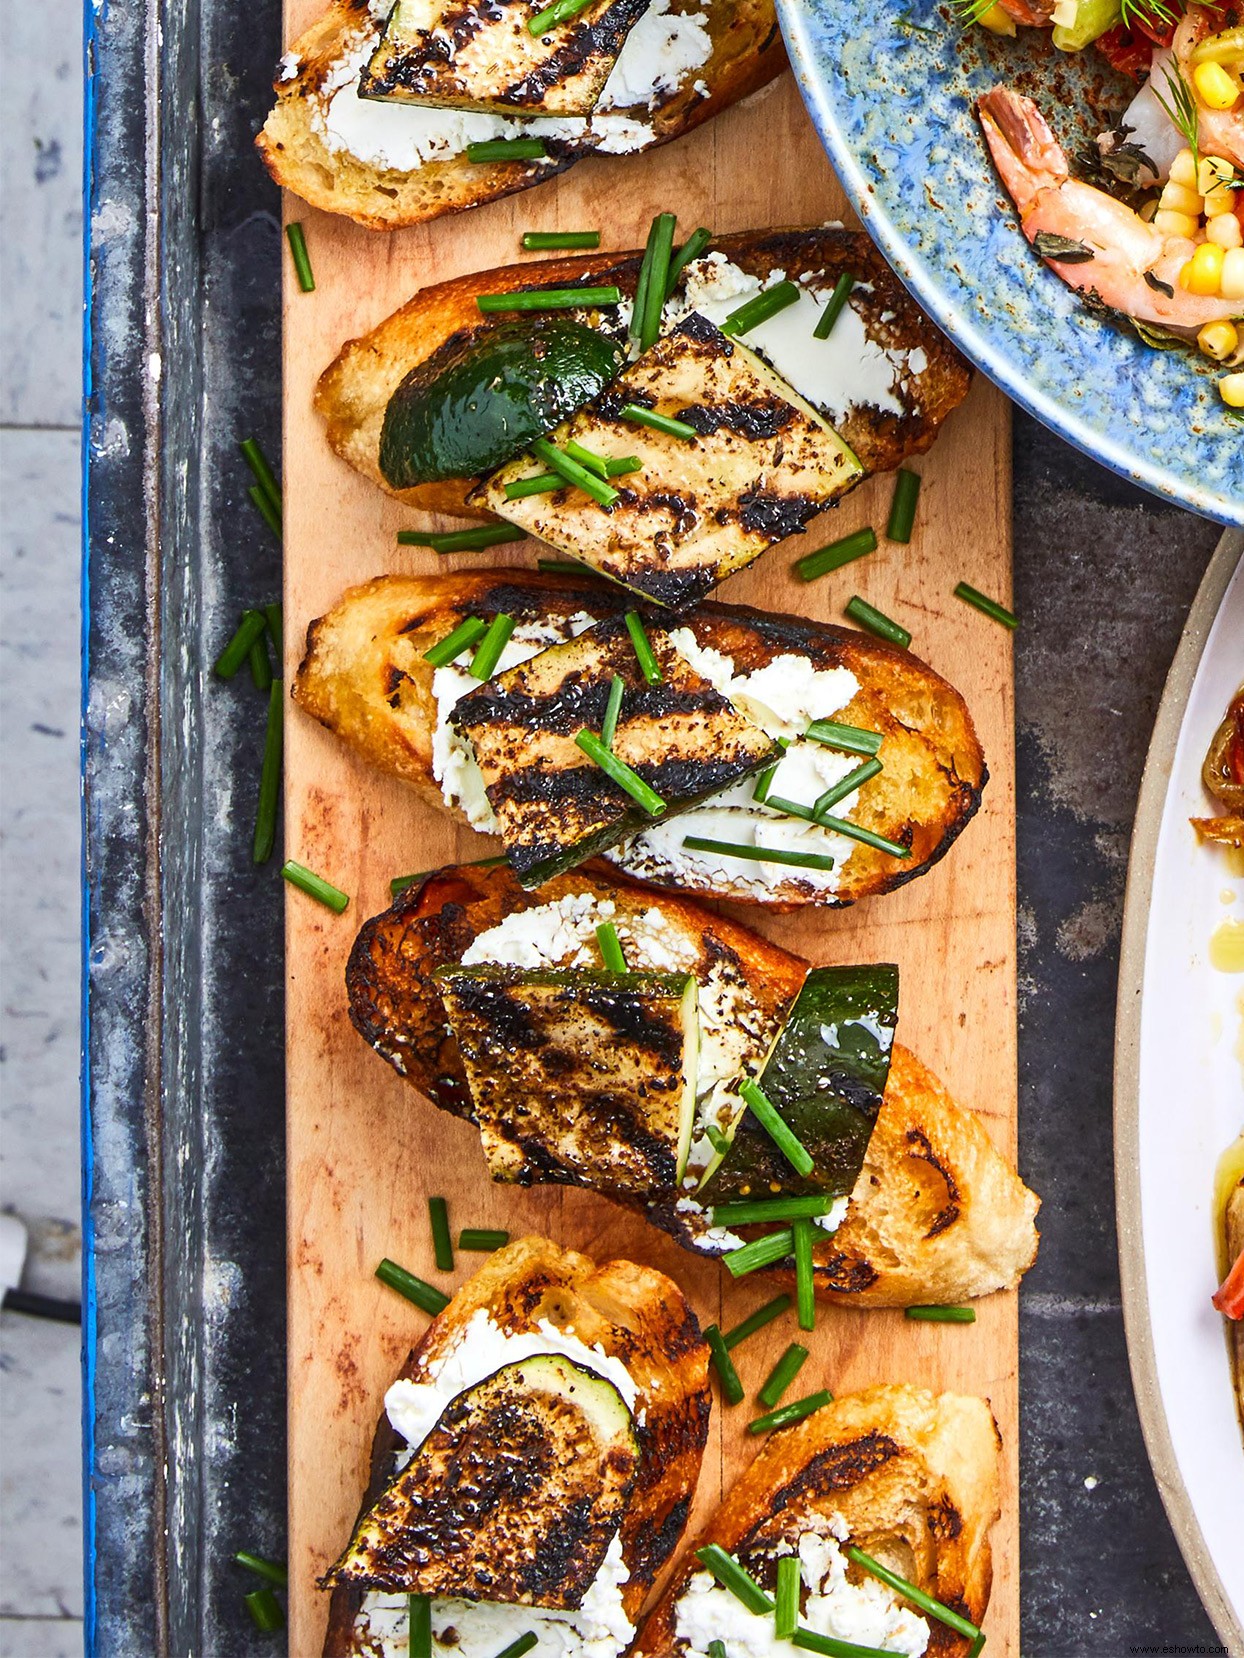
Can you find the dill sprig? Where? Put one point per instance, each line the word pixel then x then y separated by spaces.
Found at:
pixel 971 11
pixel 1182 111
pixel 1155 13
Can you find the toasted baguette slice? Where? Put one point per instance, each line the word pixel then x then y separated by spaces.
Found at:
pixel 635 1315
pixel 364 677
pixel 747 52
pixel 355 389
pixel 910 1477
pixel 936 1215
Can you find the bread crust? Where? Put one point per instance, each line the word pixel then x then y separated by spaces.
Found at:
pixel 635 1314
pixel 747 53
pixel 363 676
pixel 354 391
pixel 913 1474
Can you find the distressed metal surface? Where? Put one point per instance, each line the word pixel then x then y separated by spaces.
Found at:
pixel 183 975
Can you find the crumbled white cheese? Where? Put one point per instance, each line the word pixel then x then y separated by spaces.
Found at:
pixel 834 1219
pixel 657 56
pixel 288 67
pixel 865 1614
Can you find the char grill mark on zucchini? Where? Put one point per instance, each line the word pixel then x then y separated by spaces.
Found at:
pixel 514 1496
pixel 480 55
pixel 554 807
pixel 825 1077
pixel 763 464
pixel 579 1075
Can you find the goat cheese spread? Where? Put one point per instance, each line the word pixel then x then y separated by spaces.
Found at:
pixel 784 697
pixel 660 53
pixel 599 1628
pixel 866 1614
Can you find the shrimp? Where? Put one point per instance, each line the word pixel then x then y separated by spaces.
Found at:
pixel 1127 264
pixel 1219 131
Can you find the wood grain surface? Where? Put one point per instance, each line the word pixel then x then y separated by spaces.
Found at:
pixel 364 1149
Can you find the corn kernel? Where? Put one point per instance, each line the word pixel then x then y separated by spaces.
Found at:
pixel 1232 285
pixel 1203 272
pixel 1219 200
pixel 1225 230
pixel 1231 390
pixel 1177 198
pixel 1183 170
pixel 1213 171
pixel 1216 89
pixel 1175 224
pixel 1219 340
pixel 997 21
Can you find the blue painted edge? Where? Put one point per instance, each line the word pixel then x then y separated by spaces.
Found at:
pixel 954 323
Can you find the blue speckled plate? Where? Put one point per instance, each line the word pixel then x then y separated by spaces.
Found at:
pixel 891 89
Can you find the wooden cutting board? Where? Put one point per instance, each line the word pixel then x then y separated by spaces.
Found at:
pixel 364 1150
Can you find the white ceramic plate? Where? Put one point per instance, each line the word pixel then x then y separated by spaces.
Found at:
pixel 1179 1102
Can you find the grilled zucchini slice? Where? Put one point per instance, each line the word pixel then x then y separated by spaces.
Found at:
pixel 496 63
pixel 554 806
pixel 762 464
pixel 515 1495
pixel 579 1075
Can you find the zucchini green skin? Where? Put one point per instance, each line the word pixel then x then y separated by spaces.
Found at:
pixel 485 394
pixel 825 1077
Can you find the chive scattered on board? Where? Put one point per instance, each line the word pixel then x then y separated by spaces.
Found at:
pixel 610 946
pixel 424 1295
pixel 726 1569
pixel 265 477
pixel 265 1611
pixel 549 299
pixel 855 779
pixel 567 567
pixel 805 1279
pixel 482 1240
pixel 836 554
pixel 559 461
pixel 506 149
pixel 876 621
pixel 852 739
pixel 909 1591
pixel 302 259
pixel 238 649
pixel 783 1417
pixel 639 416
pixel 315 886
pixel 866 837
pixel 658 255
pixel 760 1252
pixel 988 607
pixel 942 1315
pixel 488 654
pixel 467 633
pixel 786 1597
pixel 275 614
pixel 399 883
pixel 620 773
pixel 783 1374
pixel 757 1320
pixel 271 515
pixel 732 1390
pixel 264 838
pixel 834 306
pixel 759 854
pixel 648 664
pixel 442 1241
pixel 613 707
pixel 461 541
pixel 260 661
pixel 539 241
pixel 269 1569
pixel 776 1127
pixel 903 507
pixel 760 308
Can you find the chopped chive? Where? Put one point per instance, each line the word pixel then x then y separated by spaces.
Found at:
pixel 759 854
pixel 587 457
pixel 791 808
pixel 566 567
pixel 315 886
pixel 942 1315
pixel 442 1242
pixel 265 477
pixel 275 615
pixel 741 1584
pixel 783 1374
pixel 461 541
pixel 419 1626
pixel 648 664
pixel 488 654
pixel 727 1376
pixel 903 507
pixel 764 782
pixel 987 607
pixel 639 416
pixel 302 259
pixel 760 308
pixel 866 837
pixel 660 245
pixel 260 661
pixel 833 306
pixel 909 1591
pixel 756 1211
pixel 263 506
pixel 805 1279
pixel 639 303
pixel 622 464
pixel 786 1597
pixel 506 149
pixel 264 1568
pixel 855 779
pixel 425 1296
pixel 482 1240
pixel 829 1646
pixel 776 1127
pixel 609 725
pixel 523 1644
pixel 716 1139
pixel 790 1413
pixel 620 773
pixel 265 1611
pixel 610 947
pixel 977 1646
pixel 757 1320
pixel 760 1252
pixel 535 241
pixel 836 554
pixel 399 883
pixel 852 739
pixel 238 649
pixel 453 644
pixel 541 483
pixel 561 11
pixel 876 621
pixel 691 249
pixel 573 473
pixel 716 1649
pixel 549 299
pixel 264 838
